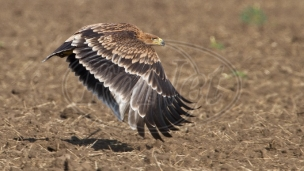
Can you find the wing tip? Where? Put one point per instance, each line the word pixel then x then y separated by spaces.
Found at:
pixel 48 57
pixel 64 50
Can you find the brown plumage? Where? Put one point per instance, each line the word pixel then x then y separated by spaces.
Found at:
pixel 118 64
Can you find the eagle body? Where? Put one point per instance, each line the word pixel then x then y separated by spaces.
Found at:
pixel 119 65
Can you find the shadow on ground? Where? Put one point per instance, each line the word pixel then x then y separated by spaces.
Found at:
pixel 96 144
pixel 100 144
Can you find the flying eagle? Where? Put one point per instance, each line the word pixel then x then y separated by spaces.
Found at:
pixel 119 65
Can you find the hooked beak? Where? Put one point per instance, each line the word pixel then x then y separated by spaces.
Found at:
pixel 159 42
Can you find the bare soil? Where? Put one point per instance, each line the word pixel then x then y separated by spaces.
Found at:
pixel 50 122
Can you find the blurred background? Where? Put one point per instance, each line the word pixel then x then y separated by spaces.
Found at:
pixel 263 40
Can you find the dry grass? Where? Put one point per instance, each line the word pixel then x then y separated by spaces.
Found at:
pixel 40 129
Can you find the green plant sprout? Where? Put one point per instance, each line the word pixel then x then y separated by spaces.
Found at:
pixel 253 15
pixel 215 44
pixel 1 44
pixel 240 74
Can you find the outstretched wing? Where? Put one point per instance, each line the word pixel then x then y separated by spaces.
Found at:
pixel 129 74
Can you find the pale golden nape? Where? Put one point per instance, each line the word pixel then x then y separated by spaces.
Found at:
pixel 151 39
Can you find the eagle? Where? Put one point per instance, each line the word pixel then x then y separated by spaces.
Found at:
pixel 117 63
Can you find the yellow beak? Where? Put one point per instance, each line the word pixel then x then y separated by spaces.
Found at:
pixel 159 42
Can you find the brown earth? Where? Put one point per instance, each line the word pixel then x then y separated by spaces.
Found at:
pixel 50 122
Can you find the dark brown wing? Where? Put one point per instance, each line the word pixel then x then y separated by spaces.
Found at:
pixel 129 75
